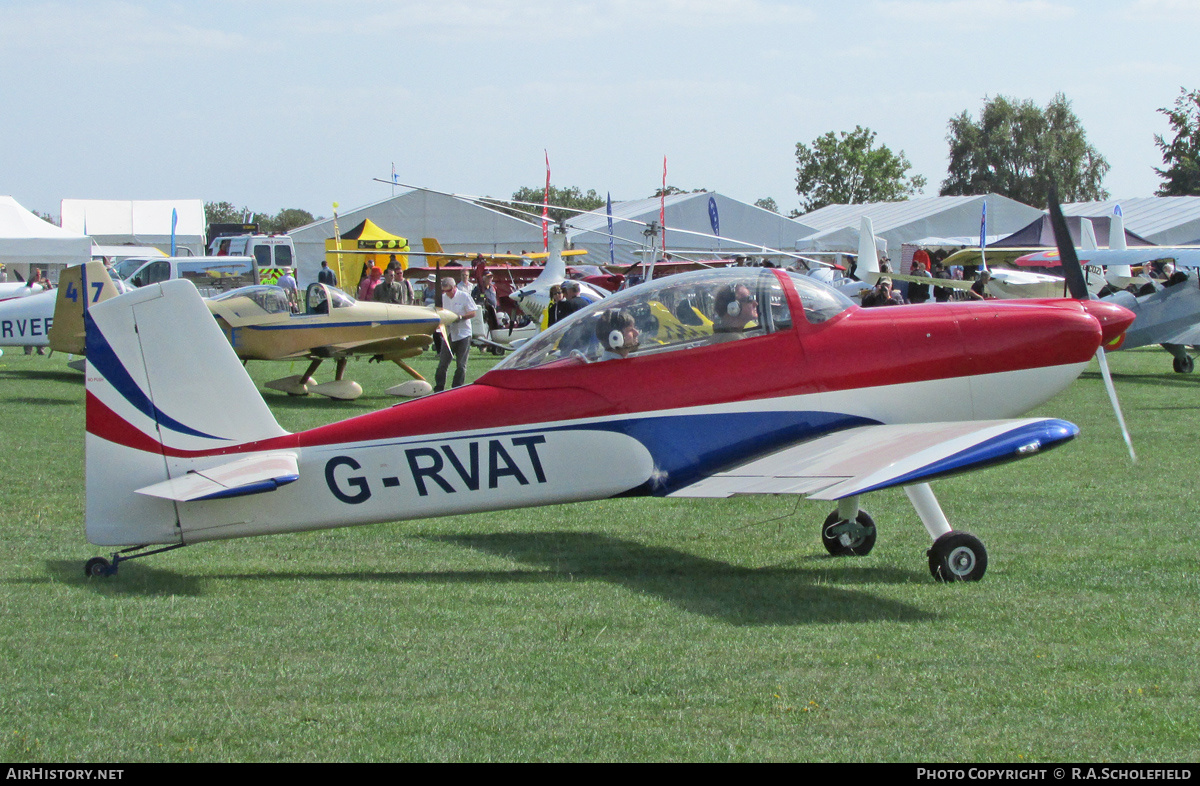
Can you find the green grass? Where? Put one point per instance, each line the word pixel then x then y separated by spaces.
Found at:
pixel 622 630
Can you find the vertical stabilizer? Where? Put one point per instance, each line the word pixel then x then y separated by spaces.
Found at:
pixel 79 288
pixel 1116 242
pixel 433 248
pixel 868 255
pixel 1087 235
pixel 164 388
pixel 534 298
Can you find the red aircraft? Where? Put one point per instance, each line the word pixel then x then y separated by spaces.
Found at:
pixel 707 384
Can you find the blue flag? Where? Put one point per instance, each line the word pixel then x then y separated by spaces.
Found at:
pixel 174 221
pixel 983 228
pixel 713 218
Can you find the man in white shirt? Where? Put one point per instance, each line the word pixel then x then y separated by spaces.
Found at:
pixel 459 333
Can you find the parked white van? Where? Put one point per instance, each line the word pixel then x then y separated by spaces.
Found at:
pixel 211 275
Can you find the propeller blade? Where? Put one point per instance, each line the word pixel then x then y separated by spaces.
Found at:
pixel 1072 272
pixel 1112 396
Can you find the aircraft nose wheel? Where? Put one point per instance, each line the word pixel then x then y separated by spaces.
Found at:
pixel 842 537
pixel 957 556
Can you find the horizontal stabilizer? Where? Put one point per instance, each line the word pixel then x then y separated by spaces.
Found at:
pixel 869 458
pixel 254 475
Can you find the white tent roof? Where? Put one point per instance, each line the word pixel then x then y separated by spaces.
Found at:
pixel 27 239
pixel 840 239
pixel 458 225
pixel 913 219
pixel 142 222
pixel 1166 221
pixel 737 221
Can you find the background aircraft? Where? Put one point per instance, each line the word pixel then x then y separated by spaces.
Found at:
pixel 1169 313
pixel 17 289
pixel 259 323
pixel 814 396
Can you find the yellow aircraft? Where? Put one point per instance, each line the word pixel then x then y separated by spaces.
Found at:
pixel 438 256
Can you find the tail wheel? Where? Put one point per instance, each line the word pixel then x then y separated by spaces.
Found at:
pixel 842 537
pixel 97 567
pixel 957 556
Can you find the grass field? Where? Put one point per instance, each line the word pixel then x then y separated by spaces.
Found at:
pixel 622 630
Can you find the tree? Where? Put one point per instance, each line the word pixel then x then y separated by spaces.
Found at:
pixel 847 168
pixel 285 220
pixel 224 213
pixel 673 190
pixel 1181 156
pixel 767 203
pixel 571 197
pixel 1018 149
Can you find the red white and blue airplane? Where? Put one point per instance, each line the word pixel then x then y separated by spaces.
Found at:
pixel 759 382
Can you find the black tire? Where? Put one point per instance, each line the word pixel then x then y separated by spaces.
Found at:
pixel 1183 365
pixel 97 567
pixel 957 556
pixel 859 545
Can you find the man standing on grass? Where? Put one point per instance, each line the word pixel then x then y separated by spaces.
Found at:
pixel 459 333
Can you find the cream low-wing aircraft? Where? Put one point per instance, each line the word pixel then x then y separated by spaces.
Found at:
pixel 259 323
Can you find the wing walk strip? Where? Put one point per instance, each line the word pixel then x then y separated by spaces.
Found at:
pixel 868 458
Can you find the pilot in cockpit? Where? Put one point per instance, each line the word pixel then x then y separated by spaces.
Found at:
pixel 617 333
pixel 736 309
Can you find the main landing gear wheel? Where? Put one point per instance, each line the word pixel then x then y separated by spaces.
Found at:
pixel 843 537
pixel 1183 365
pixel 957 556
pixel 97 567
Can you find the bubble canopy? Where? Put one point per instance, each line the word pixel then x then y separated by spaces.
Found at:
pixel 680 312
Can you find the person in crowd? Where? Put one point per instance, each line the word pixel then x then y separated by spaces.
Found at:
pixel 458 348
pixel 389 290
pixel 366 287
pixel 918 292
pixel 978 290
pixel 326 275
pixel 573 300
pixel 556 298
pixel 882 295
pixel 940 294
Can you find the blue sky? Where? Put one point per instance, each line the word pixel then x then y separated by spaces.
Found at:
pixel 300 103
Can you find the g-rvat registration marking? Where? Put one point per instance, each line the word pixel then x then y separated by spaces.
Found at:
pixel 442 467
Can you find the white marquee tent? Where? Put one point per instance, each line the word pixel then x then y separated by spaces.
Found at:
pixel 139 222
pixel 1164 221
pixel 913 219
pixel 28 241
pixel 690 227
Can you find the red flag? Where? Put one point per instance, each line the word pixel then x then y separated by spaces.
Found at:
pixel 546 207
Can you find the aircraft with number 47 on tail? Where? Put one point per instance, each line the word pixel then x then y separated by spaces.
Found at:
pixel 765 383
